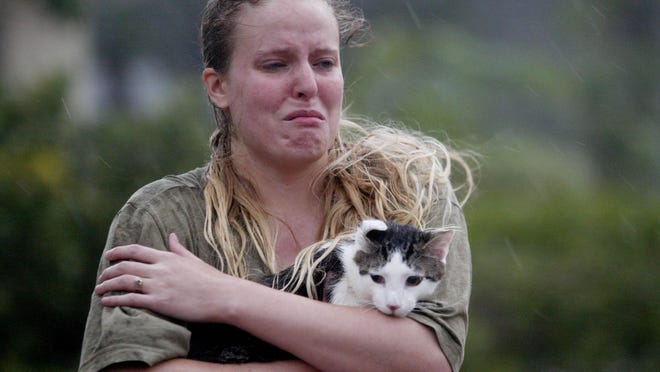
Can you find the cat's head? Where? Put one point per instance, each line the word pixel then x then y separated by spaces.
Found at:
pixel 399 264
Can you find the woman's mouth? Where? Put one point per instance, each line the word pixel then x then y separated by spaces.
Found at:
pixel 311 116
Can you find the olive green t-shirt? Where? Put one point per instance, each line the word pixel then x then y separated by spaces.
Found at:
pixel 176 204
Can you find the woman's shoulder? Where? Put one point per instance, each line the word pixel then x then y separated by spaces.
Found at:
pixel 177 189
pixel 173 203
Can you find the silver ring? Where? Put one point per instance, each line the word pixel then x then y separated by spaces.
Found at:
pixel 139 282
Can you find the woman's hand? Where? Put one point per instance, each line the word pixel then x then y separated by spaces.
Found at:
pixel 174 283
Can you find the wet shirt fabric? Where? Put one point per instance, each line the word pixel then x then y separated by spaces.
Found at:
pixel 176 204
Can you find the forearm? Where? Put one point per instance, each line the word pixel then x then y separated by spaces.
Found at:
pixel 332 337
pixel 175 365
pixel 328 337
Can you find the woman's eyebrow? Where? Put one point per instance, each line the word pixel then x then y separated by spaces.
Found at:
pixel 332 51
pixel 273 51
pixel 287 51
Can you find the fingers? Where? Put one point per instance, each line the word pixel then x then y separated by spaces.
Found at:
pixel 128 276
pixel 144 254
pixel 140 275
pixel 136 269
pixel 134 252
pixel 130 299
pixel 123 283
pixel 176 247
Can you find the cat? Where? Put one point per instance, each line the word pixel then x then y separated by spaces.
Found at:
pixel 383 265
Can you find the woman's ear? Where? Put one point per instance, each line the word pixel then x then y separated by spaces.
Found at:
pixel 215 87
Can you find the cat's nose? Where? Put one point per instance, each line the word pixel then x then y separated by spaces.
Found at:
pixel 393 308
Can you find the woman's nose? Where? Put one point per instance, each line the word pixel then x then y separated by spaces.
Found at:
pixel 305 84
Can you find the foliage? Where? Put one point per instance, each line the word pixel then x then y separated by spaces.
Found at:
pixel 447 80
pixel 563 278
pixel 60 187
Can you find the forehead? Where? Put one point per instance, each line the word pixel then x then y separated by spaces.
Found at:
pixel 396 267
pixel 284 23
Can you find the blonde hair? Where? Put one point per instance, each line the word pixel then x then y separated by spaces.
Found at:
pixel 375 171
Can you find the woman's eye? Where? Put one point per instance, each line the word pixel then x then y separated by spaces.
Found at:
pixel 269 66
pixel 377 279
pixel 326 64
pixel 413 280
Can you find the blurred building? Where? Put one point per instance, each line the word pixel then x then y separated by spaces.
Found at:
pixel 37 45
pixel 119 55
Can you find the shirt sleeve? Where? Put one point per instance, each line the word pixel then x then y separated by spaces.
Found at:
pixel 122 334
pixel 447 313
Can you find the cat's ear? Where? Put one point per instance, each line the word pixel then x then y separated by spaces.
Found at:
pixel 438 246
pixel 368 231
pixel 372 224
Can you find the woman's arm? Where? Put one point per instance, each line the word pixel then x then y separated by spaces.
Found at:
pixel 333 337
pixel 176 365
pixel 327 336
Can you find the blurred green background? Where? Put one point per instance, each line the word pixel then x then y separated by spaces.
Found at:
pixel 560 98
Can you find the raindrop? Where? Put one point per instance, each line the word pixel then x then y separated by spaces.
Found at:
pixel 563 57
pixel 413 15
pixel 66 109
pixel 514 255
pixel 104 162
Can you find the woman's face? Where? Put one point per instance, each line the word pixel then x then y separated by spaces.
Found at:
pixel 284 87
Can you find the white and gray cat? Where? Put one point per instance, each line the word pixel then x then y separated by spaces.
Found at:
pixel 390 267
pixel 384 265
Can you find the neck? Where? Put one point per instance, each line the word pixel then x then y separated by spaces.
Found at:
pixel 288 195
pixel 282 189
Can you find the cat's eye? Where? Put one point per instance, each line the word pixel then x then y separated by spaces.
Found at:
pixel 413 280
pixel 377 279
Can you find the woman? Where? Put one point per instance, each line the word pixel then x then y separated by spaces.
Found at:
pixel 281 178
